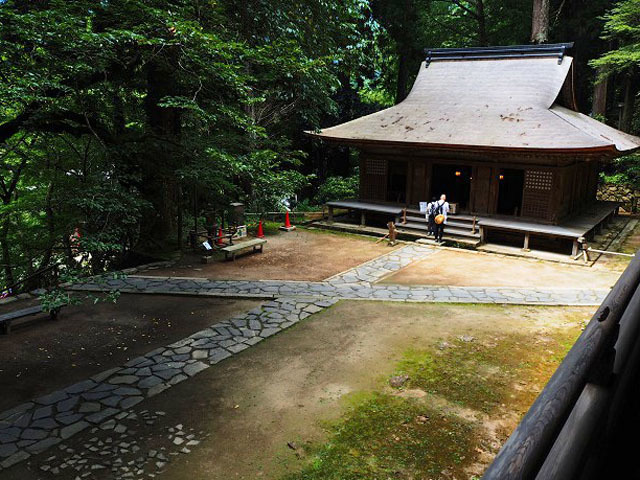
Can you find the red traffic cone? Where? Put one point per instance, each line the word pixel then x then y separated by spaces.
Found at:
pixel 219 241
pixel 260 233
pixel 287 224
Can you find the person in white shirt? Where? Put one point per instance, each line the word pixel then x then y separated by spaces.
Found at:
pixel 441 208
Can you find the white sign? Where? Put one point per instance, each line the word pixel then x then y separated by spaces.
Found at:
pixel 241 231
pixel 207 246
pixel 423 207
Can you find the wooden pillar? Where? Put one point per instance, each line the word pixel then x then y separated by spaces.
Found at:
pixel 525 247
pixel 330 215
pixel 363 219
pixel 576 246
pixel 483 235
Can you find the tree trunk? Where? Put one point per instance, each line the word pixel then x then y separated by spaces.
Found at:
pixel 6 254
pixel 403 42
pixel 50 227
pixel 180 219
pixel 403 74
pixel 483 39
pixel 160 184
pixel 630 91
pixel 540 21
pixel 599 100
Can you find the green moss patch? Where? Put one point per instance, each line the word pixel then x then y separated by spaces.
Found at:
pixel 480 373
pixel 383 436
pixel 401 435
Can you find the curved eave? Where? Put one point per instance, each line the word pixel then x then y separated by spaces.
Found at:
pixel 608 150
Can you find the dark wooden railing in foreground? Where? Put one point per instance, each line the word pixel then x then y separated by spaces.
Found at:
pixel 567 432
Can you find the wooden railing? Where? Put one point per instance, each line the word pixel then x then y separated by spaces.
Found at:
pixel 568 430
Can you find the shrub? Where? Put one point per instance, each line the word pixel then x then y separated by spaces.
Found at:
pixel 338 188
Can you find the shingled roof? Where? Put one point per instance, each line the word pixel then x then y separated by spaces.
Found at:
pixel 488 102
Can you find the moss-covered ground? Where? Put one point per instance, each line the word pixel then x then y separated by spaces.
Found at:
pixel 462 397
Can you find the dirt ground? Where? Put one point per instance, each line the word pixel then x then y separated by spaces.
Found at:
pixel 449 267
pixel 284 390
pixel 42 357
pixel 297 255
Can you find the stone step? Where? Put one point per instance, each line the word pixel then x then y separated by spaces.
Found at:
pixel 469 242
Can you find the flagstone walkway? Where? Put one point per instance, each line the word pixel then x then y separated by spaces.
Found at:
pixel 36 426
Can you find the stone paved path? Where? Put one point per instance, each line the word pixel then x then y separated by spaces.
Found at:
pixel 35 426
pixel 374 270
pixel 269 289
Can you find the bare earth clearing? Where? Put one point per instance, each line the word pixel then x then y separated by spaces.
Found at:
pixel 462 268
pixel 297 255
pixel 40 358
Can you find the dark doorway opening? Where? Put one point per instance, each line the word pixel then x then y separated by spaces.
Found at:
pixel 511 185
pixel 454 181
pixel 397 182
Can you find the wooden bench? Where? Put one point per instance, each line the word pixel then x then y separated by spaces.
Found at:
pixel 7 318
pixel 238 247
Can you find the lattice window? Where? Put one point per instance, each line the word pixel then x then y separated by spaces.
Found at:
pixel 537 193
pixel 538 180
pixel 376 166
pixel 373 184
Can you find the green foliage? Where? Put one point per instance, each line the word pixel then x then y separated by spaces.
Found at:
pixel 58 297
pixel 624 171
pixel 338 188
pixel 622 27
pixel 117 118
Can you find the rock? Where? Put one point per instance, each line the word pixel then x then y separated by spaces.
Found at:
pixel 42 412
pixel 194 368
pixel 52 398
pixel 108 425
pixel 398 381
pixel 89 407
pixel 43 445
pixel 8 450
pixel 130 402
pixel 33 434
pixel 15 458
pixel 124 380
pixel 422 419
pixel 72 429
pixel 467 338
pixel 178 441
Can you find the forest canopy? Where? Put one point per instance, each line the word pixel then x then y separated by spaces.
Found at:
pixel 122 120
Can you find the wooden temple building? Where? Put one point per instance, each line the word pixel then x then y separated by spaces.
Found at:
pixel 497 130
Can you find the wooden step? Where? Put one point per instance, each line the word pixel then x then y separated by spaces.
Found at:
pixel 461 218
pixel 451 221
pixel 448 229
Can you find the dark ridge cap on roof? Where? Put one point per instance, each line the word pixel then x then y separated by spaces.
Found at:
pixel 557 50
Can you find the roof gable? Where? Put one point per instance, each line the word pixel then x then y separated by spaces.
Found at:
pixel 498 103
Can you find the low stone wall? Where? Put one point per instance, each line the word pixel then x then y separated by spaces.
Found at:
pixel 619 193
